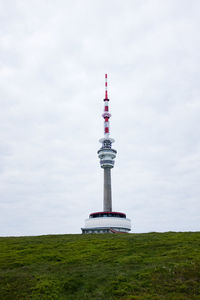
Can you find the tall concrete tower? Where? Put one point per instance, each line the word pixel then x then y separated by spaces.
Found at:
pixel 107 221
pixel 106 153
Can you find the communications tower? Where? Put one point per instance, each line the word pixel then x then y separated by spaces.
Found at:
pixel 107 221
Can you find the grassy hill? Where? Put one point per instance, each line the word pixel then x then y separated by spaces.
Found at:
pixel 98 267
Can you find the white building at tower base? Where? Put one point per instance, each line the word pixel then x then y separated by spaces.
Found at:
pixel 107 222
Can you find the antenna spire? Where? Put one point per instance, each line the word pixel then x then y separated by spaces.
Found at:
pixel 106 87
pixel 106 115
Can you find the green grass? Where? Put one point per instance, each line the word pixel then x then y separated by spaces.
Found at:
pixel 98 267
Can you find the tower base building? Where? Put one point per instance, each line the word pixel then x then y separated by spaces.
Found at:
pixel 107 221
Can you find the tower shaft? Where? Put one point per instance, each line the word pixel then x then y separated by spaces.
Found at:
pixel 107 190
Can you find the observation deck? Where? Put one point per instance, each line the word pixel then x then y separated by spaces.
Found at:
pixel 107 154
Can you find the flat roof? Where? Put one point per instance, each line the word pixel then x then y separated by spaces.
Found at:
pixel 108 212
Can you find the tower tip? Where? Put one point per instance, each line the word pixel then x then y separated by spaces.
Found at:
pixel 106 87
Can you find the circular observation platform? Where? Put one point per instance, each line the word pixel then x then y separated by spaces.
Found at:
pixel 107 222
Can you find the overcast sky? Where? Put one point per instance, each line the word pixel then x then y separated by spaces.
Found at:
pixel 53 57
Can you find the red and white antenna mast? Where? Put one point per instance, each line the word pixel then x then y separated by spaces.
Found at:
pixel 106 86
pixel 106 115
